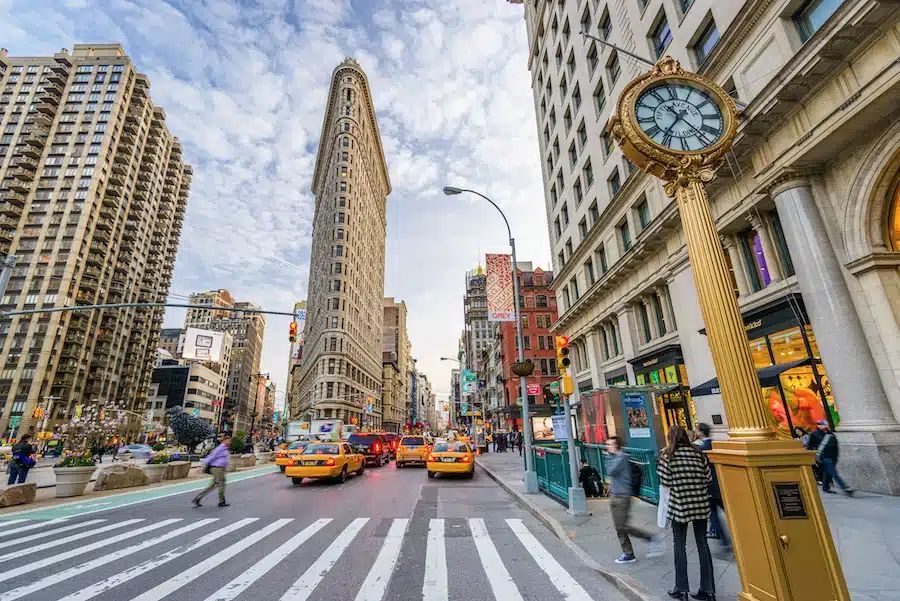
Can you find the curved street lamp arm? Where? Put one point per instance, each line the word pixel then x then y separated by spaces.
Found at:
pixel 502 214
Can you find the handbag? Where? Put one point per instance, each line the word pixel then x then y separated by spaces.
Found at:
pixel 23 461
pixel 662 510
pixel 207 469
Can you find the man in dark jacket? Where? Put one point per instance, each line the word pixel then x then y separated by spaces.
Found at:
pixel 21 460
pixel 715 494
pixel 589 478
pixel 618 468
pixel 825 444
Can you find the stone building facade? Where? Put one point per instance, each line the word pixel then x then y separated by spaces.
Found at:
pixel 343 348
pixel 93 190
pixel 806 208
pixel 397 360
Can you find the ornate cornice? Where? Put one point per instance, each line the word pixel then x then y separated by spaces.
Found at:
pixel 786 178
pixel 886 259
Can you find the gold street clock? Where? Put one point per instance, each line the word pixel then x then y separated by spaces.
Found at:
pixel 674 124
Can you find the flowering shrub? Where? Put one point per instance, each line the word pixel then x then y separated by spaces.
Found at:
pixel 76 460
pixel 157 458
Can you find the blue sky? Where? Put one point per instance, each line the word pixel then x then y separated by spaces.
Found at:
pixel 244 85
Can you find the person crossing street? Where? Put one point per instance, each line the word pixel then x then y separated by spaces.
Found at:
pixel 216 463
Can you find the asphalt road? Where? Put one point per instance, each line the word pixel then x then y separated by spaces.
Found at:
pixel 391 534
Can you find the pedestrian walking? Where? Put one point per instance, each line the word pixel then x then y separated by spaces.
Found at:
pixel 823 441
pixel 621 489
pixel 215 464
pixel 716 522
pixel 22 460
pixel 686 472
pixel 520 441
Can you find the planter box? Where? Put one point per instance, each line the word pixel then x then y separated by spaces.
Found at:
pixel 264 457
pixel 176 470
pixel 234 462
pixel 155 471
pixel 248 460
pixel 71 481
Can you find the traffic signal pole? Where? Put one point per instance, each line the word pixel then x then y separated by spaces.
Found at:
pixel 577 499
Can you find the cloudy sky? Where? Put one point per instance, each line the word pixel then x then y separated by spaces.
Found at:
pixel 244 85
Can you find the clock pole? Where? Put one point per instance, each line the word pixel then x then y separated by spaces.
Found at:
pixel 782 541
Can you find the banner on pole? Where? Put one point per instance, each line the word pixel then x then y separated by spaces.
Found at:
pixel 499 285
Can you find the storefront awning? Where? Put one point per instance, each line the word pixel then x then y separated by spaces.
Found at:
pixel 768 376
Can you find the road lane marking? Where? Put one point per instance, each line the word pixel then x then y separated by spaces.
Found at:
pixel 435 587
pixel 4 522
pixel 31 537
pixel 67 539
pixel 173 584
pixel 6 533
pixel 262 567
pixel 135 571
pixel 90 565
pixel 377 581
pixel 561 579
pixel 501 582
pixel 306 584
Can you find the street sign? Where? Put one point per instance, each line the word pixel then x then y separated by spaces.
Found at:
pixel 554 387
pixel 533 389
pixel 196 412
pixel 14 422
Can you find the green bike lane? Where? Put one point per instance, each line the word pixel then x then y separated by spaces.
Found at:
pixel 86 505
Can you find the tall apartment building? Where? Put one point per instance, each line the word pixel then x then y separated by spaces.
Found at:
pixel 397 360
pixel 343 350
pixel 807 208
pixel 246 332
pixel 93 191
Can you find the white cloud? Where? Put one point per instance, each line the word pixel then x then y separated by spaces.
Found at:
pixel 244 86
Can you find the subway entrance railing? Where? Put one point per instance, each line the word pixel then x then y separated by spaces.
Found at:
pixel 552 467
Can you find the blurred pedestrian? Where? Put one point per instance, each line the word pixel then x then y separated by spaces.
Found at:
pixel 685 470
pixel 22 460
pixel 621 489
pixel 716 522
pixel 825 444
pixel 215 464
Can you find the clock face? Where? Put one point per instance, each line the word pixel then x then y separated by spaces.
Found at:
pixel 679 116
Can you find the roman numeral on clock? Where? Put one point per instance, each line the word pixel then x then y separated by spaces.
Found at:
pixel 667 139
pixel 653 131
pixel 709 129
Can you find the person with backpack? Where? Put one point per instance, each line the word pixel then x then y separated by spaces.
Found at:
pixel 823 441
pixel 589 478
pixel 685 470
pixel 21 461
pixel 620 470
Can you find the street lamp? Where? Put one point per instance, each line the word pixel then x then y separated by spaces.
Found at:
pixel 531 483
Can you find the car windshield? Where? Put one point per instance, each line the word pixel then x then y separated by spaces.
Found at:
pixel 412 441
pixel 296 445
pixel 322 449
pixel 452 447
pixel 363 439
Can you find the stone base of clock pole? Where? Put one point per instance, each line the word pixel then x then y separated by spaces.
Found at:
pixel 783 545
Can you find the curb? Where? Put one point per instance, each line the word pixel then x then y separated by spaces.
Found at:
pixel 627 585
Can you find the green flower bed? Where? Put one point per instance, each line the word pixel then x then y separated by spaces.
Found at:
pixel 85 460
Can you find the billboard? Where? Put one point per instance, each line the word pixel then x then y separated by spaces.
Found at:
pixel 203 345
pixel 499 286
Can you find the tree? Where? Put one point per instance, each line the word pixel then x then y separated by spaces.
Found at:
pixel 189 430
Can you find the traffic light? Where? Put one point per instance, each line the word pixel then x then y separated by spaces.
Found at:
pixel 293 332
pixel 562 354
pixel 38 413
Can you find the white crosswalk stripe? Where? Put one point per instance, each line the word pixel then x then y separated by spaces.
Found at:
pixel 173 584
pixel 54 532
pixel 323 552
pixel 5 523
pixel 63 541
pixel 262 567
pixel 114 581
pixel 310 579
pixel 34 526
pixel 376 582
pixel 435 587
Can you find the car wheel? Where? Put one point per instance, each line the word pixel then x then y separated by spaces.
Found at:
pixel 470 475
pixel 282 467
pixel 362 469
pixel 379 462
pixel 297 481
pixel 399 464
pixel 431 474
pixel 343 476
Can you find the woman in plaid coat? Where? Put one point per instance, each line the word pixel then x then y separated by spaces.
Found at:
pixel 686 472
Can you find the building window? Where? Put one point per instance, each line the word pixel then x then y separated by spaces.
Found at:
pixel 582 135
pixel 645 322
pixel 588 173
pixel 625 236
pixel 601 258
pixel 576 97
pixel 607 143
pixel 569 248
pixel 589 272
pixel 643 212
pixel 613 69
pixel 706 42
pixel 605 26
pixel 594 213
pixel 575 292
pixel 599 99
pixel 685 5
pixel 658 312
pixel 614 182
pixel 579 194
pixel 661 36
pixel 593 58
pixel 565 214
pixel 755 260
pixel 783 250
pixel 567 119
pixel 570 64
pixel 814 14
pixel 558 228
pixel 583 229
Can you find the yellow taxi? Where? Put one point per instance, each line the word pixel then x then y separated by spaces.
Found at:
pixel 451 458
pixel 333 460
pixel 412 449
pixel 285 457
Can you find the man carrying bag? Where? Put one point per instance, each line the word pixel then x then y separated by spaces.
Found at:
pixel 22 461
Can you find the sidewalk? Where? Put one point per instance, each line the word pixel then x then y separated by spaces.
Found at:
pixel 865 528
pixel 43 475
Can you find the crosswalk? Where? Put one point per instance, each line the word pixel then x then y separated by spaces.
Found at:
pixel 288 559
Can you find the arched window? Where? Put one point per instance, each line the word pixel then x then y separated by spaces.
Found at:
pixel 893 222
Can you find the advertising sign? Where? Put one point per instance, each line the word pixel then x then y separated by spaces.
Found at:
pixel 560 428
pixel 499 287
pixel 593 416
pixel 636 415
pixel 533 389
pixel 542 428
pixel 203 345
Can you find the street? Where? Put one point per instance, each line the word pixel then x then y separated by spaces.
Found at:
pixel 391 534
